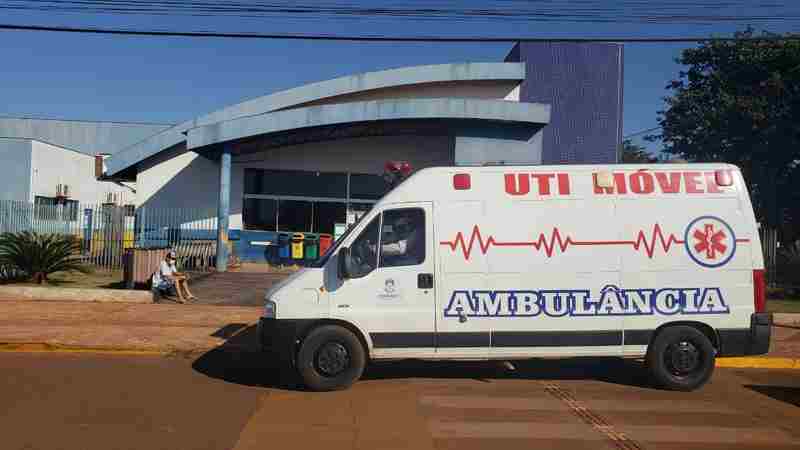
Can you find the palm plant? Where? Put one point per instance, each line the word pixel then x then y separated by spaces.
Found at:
pixel 38 255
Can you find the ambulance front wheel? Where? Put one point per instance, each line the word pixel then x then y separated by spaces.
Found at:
pixel 330 358
pixel 681 358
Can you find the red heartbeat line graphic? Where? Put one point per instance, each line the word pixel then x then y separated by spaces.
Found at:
pixel 557 241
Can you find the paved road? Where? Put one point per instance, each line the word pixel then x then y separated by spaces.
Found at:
pixel 224 400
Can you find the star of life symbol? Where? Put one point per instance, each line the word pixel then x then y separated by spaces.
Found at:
pixel 709 241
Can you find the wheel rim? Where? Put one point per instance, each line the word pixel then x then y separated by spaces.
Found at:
pixel 682 358
pixel 332 359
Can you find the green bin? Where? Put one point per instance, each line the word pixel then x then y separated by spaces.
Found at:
pixel 311 246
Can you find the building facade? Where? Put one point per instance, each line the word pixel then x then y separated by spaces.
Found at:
pixel 311 159
pixel 583 85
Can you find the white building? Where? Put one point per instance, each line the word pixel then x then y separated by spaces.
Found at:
pixel 310 158
pixel 42 160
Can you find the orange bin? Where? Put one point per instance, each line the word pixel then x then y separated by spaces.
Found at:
pixel 325 242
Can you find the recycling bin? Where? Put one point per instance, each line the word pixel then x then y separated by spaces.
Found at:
pixel 284 240
pixel 297 245
pixel 325 242
pixel 311 247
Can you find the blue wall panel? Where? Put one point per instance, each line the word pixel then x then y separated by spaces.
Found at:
pixel 583 85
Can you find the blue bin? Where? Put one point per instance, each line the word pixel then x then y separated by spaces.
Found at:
pixel 284 241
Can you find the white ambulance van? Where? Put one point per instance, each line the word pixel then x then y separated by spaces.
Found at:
pixel 512 262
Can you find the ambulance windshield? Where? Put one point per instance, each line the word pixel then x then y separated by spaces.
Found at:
pixel 324 258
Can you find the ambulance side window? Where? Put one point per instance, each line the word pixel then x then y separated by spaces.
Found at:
pixel 363 253
pixel 402 237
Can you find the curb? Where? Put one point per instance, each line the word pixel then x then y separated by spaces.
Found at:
pixel 83 295
pixel 787 320
pixel 44 347
pixel 40 347
pixel 759 363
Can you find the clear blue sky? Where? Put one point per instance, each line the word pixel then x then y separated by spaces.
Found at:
pixel 94 77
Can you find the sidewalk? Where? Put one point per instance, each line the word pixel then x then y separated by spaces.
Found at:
pixel 785 342
pixel 187 328
pixel 148 327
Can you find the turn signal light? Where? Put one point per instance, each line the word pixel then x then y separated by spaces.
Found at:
pixel 461 181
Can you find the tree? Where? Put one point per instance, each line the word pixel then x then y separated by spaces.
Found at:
pixel 739 102
pixel 635 154
pixel 38 255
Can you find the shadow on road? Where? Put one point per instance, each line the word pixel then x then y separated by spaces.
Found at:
pixel 786 394
pixel 238 361
pixel 616 371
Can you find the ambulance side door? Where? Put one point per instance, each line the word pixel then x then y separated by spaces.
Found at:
pixel 391 295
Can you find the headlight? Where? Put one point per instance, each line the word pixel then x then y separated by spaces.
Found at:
pixel 270 309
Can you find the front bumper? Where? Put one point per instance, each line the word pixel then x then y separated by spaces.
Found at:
pixel 281 337
pixel 747 341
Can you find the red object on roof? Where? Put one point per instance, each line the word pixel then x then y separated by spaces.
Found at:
pixel 401 167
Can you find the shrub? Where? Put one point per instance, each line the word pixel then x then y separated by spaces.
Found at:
pixel 38 255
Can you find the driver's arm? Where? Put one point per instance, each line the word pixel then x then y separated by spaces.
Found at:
pixel 393 248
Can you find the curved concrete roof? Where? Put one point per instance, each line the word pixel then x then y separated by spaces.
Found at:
pixel 366 82
pixel 316 91
pixel 397 109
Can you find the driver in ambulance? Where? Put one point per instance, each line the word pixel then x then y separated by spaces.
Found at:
pixel 401 242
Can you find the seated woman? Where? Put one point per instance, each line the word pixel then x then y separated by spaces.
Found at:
pixel 168 279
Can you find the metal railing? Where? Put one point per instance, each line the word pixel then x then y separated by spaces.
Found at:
pixel 107 231
pixel 769 248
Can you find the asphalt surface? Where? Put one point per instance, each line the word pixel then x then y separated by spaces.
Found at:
pixel 233 400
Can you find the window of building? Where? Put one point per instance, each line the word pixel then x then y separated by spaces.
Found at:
pixel 50 208
pixel 305 201
pixel 327 215
pixel 295 215
pixel 260 214
pixel 295 183
pixel 366 186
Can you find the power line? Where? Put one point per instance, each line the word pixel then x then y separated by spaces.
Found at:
pixel 554 11
pixel 332 37
pixel 637 133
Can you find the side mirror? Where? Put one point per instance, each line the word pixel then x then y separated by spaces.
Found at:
pixel 343 257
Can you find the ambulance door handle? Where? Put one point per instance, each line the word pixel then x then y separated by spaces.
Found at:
pixel 425 281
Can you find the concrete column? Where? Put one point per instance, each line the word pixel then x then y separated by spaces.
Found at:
pixel 223 208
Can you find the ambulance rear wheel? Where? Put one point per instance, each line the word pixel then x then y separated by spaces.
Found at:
pixel 330 358
pixel 681 358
